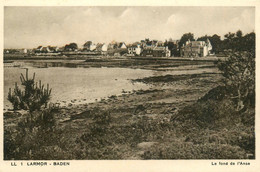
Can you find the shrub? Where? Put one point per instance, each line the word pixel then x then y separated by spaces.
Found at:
pixel 34 137
pixel 32 98
pixel 239 73
pixel 180 150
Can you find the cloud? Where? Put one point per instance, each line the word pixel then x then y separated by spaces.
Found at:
pixel 171 20
pixel 29 27
pixel 127 13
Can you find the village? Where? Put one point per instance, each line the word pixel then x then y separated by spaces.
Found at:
pixel 144 48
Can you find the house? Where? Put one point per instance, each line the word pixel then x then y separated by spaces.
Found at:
pixel 147 42
pixel 168 52
pixel 92 47
pixel 49 50
pixel 122 45
pixel 134 49
pixel 101 48
pixel 196 49
pixel 104 48
pixel 120 52
pixel 39 49
pixel 112 45
pixel 209 46
pixel 161 51
pixel 87 45
pixel 154 42
pixel 147 52
pixel 116 49
pixel 159 43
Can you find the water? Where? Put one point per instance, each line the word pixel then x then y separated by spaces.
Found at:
pixel 78 85
pixel 73 84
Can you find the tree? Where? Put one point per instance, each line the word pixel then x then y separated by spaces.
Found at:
pixel 239 73
pixel 238 42
pixel 248 42
pixel 185 37
pixel 172 47
pixel 239 68
pixel 71 47
pixel 239 34
pixel 87 45
pixel 32 98
pixel 214 40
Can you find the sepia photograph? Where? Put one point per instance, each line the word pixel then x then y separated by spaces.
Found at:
pixel 129 83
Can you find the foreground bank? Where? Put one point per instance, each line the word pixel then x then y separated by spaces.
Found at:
pixel 174 119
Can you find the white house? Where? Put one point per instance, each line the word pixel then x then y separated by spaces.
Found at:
pixel 134 49
pixel 104 48
pixel 92 47
pixel 196 48
pixel 122 45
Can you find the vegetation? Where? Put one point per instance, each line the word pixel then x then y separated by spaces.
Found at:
pixel 239 73
pixel 32 98
pixel 35 129
pixel 185 37
pixel 71 47
pixel 231 42
pixel 214 40
pixel 35 137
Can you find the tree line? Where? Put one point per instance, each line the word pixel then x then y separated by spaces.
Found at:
pixel 232 41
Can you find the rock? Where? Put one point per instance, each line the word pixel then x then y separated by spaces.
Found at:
pixel 145 145
pixel 22 112
pixel 139 108
pixel 149 111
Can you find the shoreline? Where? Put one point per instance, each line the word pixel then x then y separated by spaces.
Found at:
pixel 10 57
pixel 161 84
pixel 142 124
pixel 159 65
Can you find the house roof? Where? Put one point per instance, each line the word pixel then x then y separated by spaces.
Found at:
pixel 52 48
pixel 87 43
pixel 148 48
pixel 99 45
pixel 132 46
pixel 195 44
pixel 159 48
pixel 44 49
pixel 121 44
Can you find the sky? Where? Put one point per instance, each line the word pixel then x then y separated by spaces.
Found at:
pixel 29 27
